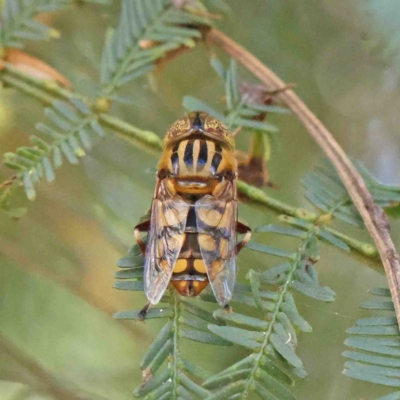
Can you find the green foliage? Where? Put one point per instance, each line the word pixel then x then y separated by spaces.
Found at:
pixel 268 322
pixel 158 23
pixel 374 342
pixel 244 109
pixel 271 336
pixel 146 32
pixel 326 191
pixel 184 320
pixel 18 20
pixel 68 136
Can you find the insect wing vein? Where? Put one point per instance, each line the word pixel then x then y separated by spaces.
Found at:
pixel 217 240
pixel 166 236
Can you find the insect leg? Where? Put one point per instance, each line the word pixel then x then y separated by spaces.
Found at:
pixel 242 228
pixel 141 227
pixel 143 312
pixel 227 309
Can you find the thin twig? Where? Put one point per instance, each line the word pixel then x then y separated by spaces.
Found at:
pixel 374 217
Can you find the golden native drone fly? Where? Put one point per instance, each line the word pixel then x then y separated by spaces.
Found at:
pixel 193 222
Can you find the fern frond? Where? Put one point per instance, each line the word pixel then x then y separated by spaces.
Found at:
pixel 374 342
pixel 147 31
pixel 68 136
pixel 184 320
pixel 326 191
pixel 242 111
pixel 271 337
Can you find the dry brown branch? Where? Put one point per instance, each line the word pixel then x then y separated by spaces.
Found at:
pixel 374 217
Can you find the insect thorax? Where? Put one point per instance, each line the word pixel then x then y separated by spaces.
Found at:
pixel 197 163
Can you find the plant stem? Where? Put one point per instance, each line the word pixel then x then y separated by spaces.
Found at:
pixel 175 353
pixel 374 217
pixel 149 141
pixel 37 86
pixel 258 196
pixel 273 316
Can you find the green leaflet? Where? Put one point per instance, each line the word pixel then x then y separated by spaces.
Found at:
pixel 19 21
pixel 378 305
pixel 194 322
pixel 274 333
pixel 228 390
pixel 193 387
pixel 285 351
pixel 274 386
pixel 156 346
pixel 164 370
pixel 131 262
pixel 262 248
pixel 203 337
pixel 63 140
pixel 375 342
pixel 241 319
pixel 222 380
pixel 131 273
pixel 314 291
pixel 241 110
pixel 282 230
pixel 157 312
pixel 301 233
pixel 129 285
pixel 194 369
pixel 242 337
pixel 326 191
pixel 193 104
pixel 201 313
pixel 160 24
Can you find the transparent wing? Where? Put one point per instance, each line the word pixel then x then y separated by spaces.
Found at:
pixel 217 241
pixel 166 236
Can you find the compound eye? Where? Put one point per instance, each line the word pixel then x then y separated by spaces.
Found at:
pixel 178 128
pixel 215 126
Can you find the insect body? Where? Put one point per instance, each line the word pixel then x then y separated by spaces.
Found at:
pixel 193 222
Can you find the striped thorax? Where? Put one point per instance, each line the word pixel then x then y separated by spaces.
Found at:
pixel 198 151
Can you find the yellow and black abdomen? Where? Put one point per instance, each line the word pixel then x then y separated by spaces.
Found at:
pixel 189 276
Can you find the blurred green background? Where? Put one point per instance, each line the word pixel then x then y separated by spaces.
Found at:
pixel 57 262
